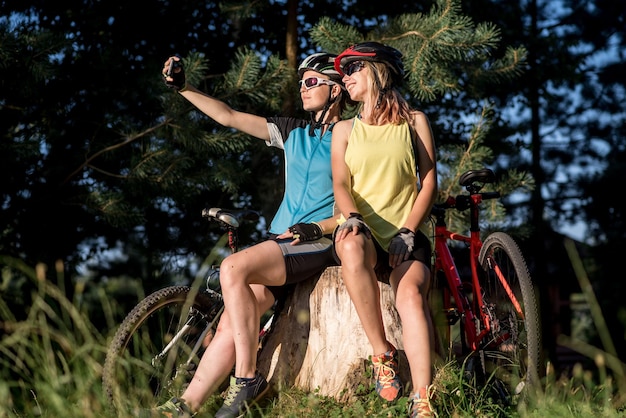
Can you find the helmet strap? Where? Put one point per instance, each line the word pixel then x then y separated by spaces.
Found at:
pixel 320 121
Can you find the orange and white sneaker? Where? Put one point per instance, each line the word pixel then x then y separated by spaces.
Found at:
pixel 388 384
pixel 420 406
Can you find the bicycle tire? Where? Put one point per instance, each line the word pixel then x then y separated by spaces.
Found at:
pixel 130 379
pixel 512 353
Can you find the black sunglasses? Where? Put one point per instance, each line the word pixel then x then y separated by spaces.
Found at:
pixel 353 67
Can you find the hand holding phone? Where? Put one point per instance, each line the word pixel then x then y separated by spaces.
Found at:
pixel 176 74
pixel 172 67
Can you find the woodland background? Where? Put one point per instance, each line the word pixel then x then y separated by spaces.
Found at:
pixel 104 171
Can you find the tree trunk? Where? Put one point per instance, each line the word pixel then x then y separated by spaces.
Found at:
pixel 318 343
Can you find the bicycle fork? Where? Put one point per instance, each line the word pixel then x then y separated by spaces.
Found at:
pixel 489 319
pixel 505 284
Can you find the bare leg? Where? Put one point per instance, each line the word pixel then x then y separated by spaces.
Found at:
pixel 219 357
pixel 410 282
pixel 260 264
pixel 358 257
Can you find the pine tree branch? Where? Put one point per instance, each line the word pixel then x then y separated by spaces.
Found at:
pixel 127 141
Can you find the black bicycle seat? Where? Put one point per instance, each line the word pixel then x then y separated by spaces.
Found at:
pixel 231 217
pixel 484 176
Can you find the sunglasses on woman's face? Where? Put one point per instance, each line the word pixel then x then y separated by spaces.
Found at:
pixel 353 67
pixel 312 82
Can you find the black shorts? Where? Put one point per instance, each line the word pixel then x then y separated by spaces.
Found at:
pixel 304 261
pixel 421 252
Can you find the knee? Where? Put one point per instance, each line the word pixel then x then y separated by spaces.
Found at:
pixel 228 271
pixel 409 300
pixel 351 252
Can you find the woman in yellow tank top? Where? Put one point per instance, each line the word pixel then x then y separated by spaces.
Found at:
pixel 385 182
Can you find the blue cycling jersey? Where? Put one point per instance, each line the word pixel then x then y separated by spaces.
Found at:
pixel 308 195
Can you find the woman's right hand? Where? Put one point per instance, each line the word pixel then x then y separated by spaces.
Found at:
pixel 353 225
pixel 174 73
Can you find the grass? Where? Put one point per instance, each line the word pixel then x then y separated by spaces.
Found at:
pixel 51 366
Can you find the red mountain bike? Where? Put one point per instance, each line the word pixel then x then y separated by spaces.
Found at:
pixel 488 318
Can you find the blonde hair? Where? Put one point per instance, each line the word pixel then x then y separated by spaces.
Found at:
pixel 391 107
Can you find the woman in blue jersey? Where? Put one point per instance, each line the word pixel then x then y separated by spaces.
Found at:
pixel 299 247
pixel 385 182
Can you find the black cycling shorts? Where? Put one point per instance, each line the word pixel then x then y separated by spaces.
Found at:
pixel 304 261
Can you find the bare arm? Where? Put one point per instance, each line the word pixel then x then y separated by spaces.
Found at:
pixel 427 167
pixel 221 113
pixel 341 173
pixel 328 225
pixel 342 183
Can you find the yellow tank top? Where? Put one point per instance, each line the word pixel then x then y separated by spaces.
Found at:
pixel 383 173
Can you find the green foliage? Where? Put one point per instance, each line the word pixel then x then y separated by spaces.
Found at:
pixel 50 360
pixel 51 365
pixel 457 393
pixel 248 77
pixel 101 162
pixel 455 159
pixel 444 51
pixel 577 396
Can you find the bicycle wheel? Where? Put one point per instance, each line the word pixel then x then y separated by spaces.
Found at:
pixel 511 353
pixel 153 353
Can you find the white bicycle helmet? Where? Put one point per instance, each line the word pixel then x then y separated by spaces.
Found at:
pixel 322 63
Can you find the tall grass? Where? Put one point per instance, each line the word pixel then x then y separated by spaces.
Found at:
pixel 51 366
pixel 50 362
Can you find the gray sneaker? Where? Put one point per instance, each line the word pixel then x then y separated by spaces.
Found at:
pixel 241 394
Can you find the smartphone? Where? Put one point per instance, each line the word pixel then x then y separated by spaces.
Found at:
pixel 173 65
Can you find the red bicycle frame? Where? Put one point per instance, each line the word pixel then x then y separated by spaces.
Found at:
pixel 445 262
pixel 489 302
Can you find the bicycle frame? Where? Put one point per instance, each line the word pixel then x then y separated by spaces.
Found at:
pixel 494 305
pixel 444 261
pixel 230 221
pixel 159 343
pixel 182 332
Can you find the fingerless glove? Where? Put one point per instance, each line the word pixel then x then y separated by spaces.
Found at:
pixel 402 242
pixel 355 220
pixel 306 232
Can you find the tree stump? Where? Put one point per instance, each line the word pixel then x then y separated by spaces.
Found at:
pixel 318 343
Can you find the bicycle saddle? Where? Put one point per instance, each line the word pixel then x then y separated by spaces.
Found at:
pixel 482 176
pixel 231 217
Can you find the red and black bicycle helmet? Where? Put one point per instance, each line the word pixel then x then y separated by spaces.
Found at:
pixel 375 52
pixel 322 63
